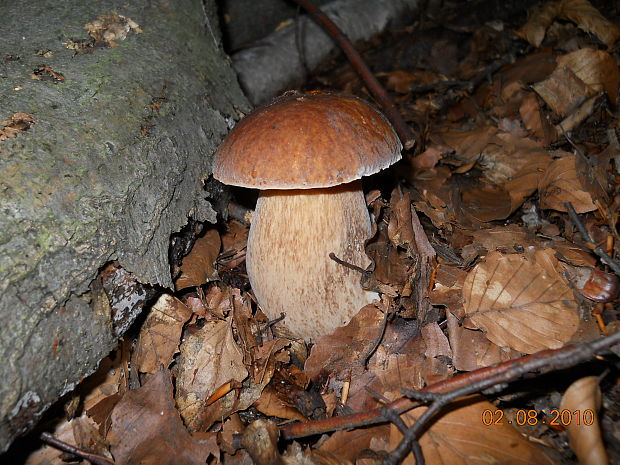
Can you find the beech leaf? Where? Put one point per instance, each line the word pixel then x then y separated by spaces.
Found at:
pixel 520 304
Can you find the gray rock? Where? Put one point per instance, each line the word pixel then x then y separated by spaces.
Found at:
pixel 111 167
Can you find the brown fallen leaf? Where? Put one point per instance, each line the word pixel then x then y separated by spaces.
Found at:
pixel 161 333
pixel 588 18
pixel 563 91
pixel 198 266
pixel 595 68
pixel 147 429
pixel 104 388
pixel 488 203
pixel 520 303
pixel 342 352
pixel 459 437
pixel 209 358
pixel 260 439
pixel 581 402
pixel 540 19
pixel 581 12
pixel 535 121
pixel 561 184
pixel 81 432
pixel 107 29
pixel 19 122
pixel 472 349
pixel 272 405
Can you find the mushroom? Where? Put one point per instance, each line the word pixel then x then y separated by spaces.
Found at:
pixel 307 153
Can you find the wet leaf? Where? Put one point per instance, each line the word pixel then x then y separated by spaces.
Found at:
pixel 520 304
pixel 584 431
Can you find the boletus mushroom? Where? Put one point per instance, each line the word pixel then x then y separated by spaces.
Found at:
pixel 306 153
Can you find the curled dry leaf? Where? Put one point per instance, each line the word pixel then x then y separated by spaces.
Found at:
pixel 581 12
pixel 560 184
pixel 459 437
pixel 539 21
pixel 520 304
pixel 160 334
pixel 588 18
pixel 584 432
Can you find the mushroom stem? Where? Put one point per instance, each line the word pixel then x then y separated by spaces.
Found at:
pixel 291 236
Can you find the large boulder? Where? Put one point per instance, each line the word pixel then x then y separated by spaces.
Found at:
pixel 104 144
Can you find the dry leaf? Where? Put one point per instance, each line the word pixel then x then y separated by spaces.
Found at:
pixel 488 203
pixel 459 437
pixel 147 429
pixel 272 405
pixel 349 444
pixel 472 350
pixel 588 18
pixel 520 304
pixel 198 266
pixel 342 351
pixel 19 122
pixel 104 388
pixel 160 334
pixel 109 28
pixel 234 242
pixel 467 145
pixel 539 21
pixel 596 68
pixel 584 431
pixel 80 431
pixel 563 91
pixel 535 121
pixel 560 184
pixel 581 12
pixel 210 357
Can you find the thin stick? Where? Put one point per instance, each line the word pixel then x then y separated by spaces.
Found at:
pixel 598 250
pixel 63 446
pixel 371 82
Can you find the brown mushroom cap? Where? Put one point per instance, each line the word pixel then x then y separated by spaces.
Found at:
pixel 306 141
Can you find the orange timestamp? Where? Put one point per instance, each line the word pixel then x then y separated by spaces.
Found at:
pixel 531 418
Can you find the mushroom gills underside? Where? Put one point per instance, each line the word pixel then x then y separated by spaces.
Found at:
pixel 291 236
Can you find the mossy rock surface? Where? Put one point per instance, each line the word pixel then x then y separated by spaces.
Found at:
pixel 111 166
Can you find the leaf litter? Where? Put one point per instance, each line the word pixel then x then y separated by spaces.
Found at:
pixel 502 272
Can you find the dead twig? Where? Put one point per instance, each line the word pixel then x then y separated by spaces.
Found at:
pixel 474 381
pixel 68 448
pixel 371 82
pixel 598 250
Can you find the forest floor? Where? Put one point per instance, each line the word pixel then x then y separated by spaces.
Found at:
pixel 516 124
